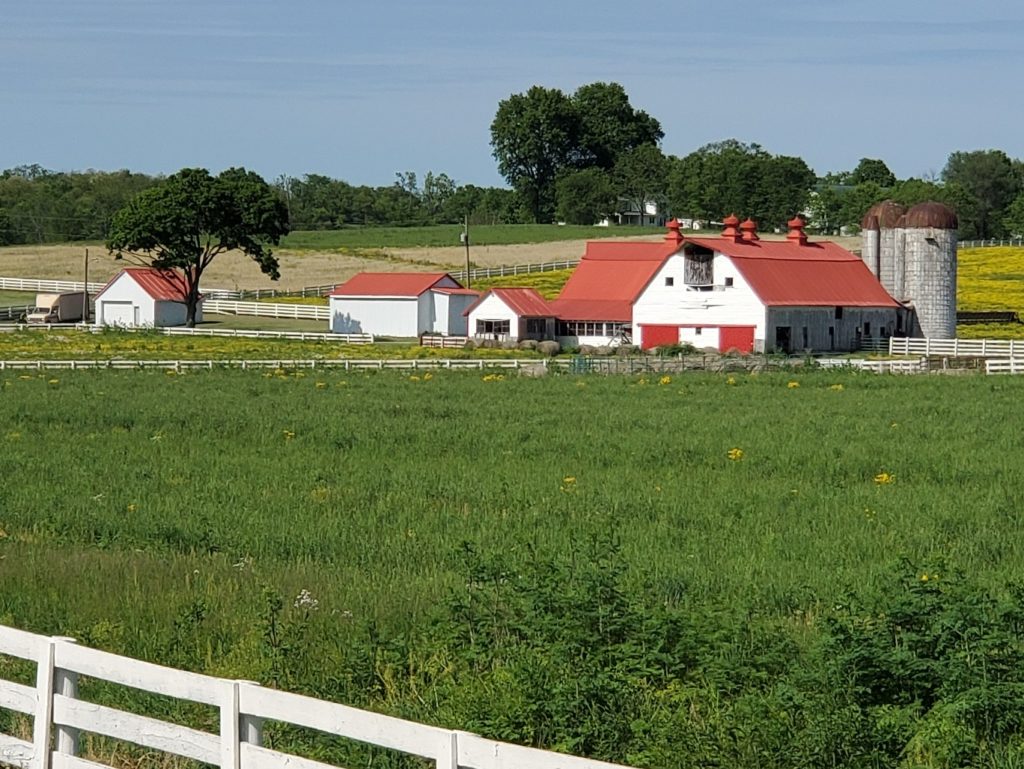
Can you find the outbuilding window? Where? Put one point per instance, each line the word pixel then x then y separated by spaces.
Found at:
pixel 487 327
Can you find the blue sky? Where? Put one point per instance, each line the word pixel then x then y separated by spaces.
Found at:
pixel 361 90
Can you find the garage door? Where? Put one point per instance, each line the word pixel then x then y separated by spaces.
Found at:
pixel 736 338
pixel 655 336
pixel 118 314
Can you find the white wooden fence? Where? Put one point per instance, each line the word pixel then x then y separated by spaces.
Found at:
pixel 306 336
pixel 958 348
pixel 47 286
pixel 267 309
pixel 918 366
pixel 439 340
pixel 1004 366
pixel 515 269
pixel 344 364
pixel 15 312
pixel 59 717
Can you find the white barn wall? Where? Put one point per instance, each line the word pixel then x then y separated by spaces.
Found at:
pixel 175 313
pixel 701 337
pixel 125 289
pixel 736 305
pixel 492 308
pixel 426 314
pixel 382 316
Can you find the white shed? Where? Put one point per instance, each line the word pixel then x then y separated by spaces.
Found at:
pixel 401 304
pixel 144 297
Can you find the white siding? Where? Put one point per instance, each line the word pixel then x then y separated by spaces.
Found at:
pixel 700 337
pixel 426 312
pixel 122 292
pixel 383 316
pixel 175 313
pixel 457 304
pixel 493 308
pixel 678 305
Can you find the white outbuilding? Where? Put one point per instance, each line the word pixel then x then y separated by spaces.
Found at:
pixel 400 304
pixel 139 297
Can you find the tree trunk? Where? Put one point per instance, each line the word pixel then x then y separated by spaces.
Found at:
pixel 191 301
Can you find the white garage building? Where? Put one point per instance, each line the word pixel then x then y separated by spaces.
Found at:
pixel 139 297
pixel 401 304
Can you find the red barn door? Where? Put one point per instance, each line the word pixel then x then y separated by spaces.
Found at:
pixel 655 336
pixel 736 337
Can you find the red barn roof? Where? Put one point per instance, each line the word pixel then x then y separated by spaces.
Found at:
pixel 409 284
pixel 161 285
pixel 609 278
pixel 811 274
pixel 525 302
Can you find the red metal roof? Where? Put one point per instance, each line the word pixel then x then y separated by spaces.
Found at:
pixel 524 302
pixel 161 285
pixel 614 272
pixel 391 283
pixel 813 274
pixel 593 309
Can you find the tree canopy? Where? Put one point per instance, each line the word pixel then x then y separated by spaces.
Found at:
pixel 990 183
pixel 539 135
pixel 189 218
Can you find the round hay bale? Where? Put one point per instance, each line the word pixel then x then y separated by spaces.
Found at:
pixel 549 347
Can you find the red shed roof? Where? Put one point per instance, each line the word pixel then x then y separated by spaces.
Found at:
pixel 803 275
pixel 161 285
pixel 525 302
pixel 391 283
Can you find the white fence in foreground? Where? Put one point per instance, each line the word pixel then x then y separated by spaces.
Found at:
pixel 958 348
pixel 59 717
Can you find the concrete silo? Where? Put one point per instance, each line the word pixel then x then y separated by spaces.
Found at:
pixel 930 268
pixel 888 213
pixel 869 236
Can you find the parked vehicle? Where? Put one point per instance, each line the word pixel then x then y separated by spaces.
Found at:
pixel 66 307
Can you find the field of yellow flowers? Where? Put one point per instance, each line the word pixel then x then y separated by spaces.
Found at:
pixel 991 278
pixel 680 571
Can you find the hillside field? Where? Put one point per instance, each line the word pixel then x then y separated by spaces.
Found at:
pixel 671 572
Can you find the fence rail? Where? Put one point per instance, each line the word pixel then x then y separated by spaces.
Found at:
pixel 48 286
pixel 305 336
pixel 957 348
pixel 990 243
pixel 344 364
pixel 267 309
pixel 1004 366
pixel 444 342
pixel 59 717
pixel 514 269
pixel 15 312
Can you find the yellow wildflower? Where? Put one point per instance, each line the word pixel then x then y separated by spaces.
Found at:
pixel 884 479
pixel 837 387
pixel 427 377
pixel 321 385
pixel 288 434
pixel 665 380
pixel 792 385
pixel 735 454
pixel 731 380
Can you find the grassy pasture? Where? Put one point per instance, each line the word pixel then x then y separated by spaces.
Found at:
pixel 684 549
pixel 448 235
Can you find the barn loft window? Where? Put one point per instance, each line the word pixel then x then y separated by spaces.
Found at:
pixel 670 281
pixel 728 282
pixel 839 313
pixel 698 266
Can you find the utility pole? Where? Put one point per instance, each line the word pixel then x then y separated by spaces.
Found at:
pixel 85 289
pixel 465 239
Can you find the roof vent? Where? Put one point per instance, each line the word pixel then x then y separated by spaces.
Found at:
pixel 673 235
pixel 796 231
pixel 749 230
pixel 730 232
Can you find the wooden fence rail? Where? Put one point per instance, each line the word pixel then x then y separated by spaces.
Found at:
pixel 267 309
pixel 958 348
pixel 60 716
pixel 1004 366
pixel 515 269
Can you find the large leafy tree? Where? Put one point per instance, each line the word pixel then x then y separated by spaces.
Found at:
pixel 641 177
pixel 990 182
pixel 872 170
pixel 584 197
pixel 610 126
pixel 535 136
pixel 191 217
pixel 540 135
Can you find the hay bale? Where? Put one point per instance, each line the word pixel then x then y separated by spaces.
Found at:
pixel 527 344
pixel 549 347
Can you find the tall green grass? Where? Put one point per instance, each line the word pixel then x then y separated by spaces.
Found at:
pixel 450 527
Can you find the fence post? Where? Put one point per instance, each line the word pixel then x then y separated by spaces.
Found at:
pixel 42 718
pixel 230 728
pixel 250 727
pixel 448 755
pixel 65 682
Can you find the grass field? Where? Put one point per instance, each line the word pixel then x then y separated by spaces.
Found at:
pixel 676 572
pixel 11 298
pixel 449 234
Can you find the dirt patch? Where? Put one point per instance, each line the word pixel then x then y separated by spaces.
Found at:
pixel 298 268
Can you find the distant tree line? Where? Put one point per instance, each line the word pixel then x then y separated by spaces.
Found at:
pixel 577 158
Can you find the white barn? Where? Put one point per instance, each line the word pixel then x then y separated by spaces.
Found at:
pixel 400 304
pixel 141 297
pixel 733 292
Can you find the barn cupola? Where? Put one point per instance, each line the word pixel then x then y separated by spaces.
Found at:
pixel 796 231
pixel 674 236
pixel 748 230
pixel 730 229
